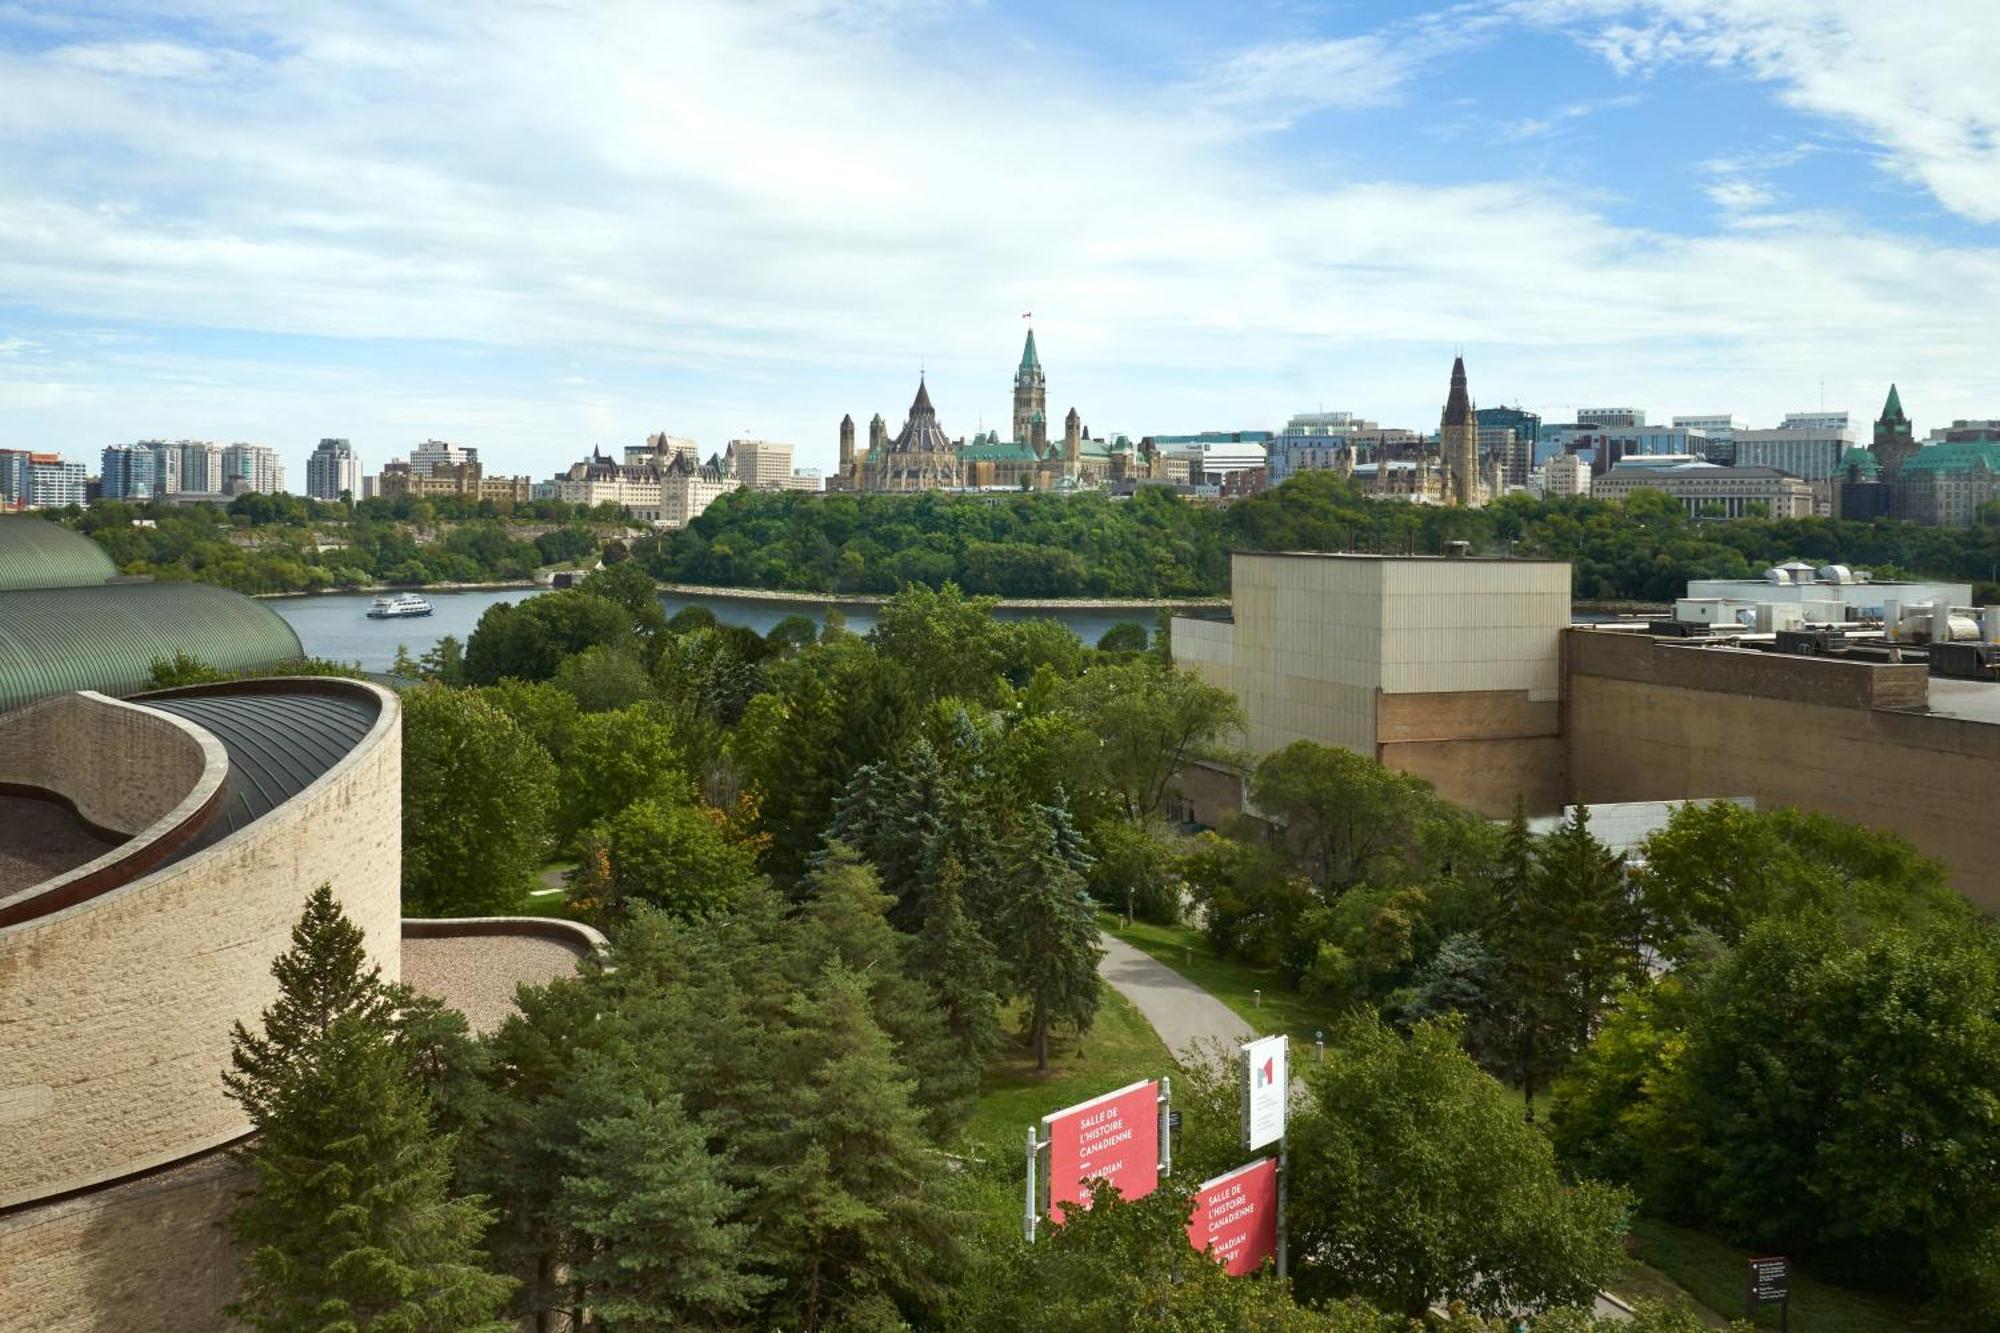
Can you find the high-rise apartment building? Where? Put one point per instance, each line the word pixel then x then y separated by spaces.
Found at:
pixel 251 467
pixel 129 472
pixel 30 480
pixel 333 469
pixel 185 467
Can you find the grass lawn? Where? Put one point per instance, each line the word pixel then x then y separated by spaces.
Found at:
pixel 1187 952
pixel 1120 1048
pixel 1713 1272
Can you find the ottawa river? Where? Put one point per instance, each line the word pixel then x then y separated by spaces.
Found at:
pixel 336 626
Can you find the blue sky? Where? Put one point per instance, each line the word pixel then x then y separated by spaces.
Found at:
pixel 538 227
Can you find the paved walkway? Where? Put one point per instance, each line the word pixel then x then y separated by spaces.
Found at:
pixel 1180 1011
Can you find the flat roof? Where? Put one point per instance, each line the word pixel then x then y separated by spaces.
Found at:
pixel 1370 555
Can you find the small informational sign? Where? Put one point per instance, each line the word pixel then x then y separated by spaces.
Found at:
pixel 1236 1217
pixel 1265 1083
pixel 1770 1282
pixel 1115 1138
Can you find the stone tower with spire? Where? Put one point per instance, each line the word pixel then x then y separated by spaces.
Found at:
pixel 1072 445
pixel 921 458
pixel 1458 444
pixel 1895 439
pixel 847 444
pixel 1030 399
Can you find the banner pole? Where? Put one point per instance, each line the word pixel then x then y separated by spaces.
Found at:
pixel 1284 1176
pixel 1166 1127
pixel 1029 1216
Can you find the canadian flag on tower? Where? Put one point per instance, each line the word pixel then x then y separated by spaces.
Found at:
pixel 1027 314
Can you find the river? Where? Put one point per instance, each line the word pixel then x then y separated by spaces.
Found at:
pixel 336 626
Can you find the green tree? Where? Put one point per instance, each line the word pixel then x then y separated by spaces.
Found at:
pixel 615 759
pixel 1150 721
pixel 1125 1266
pixel 351 1221
pixel 961 967
pixel 659 1250
pixel 604 679
pixel 1347 818
pixel 1416 1182
pixel 676 855
pixel 1049 930
pixel 849 1218
pixel 950 643
pixel 528 640
pixel 477 795
pixel 1124 637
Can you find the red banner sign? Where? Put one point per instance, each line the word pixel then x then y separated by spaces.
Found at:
pixel 1236 1217
pixel 1115 1137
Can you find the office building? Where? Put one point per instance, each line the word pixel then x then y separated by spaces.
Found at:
pixel 1565 475
pixel 1614 418
pixel 1718 428
pixel 1811 451
pixel 399 479
pixel 433 454
pixel 1527 428
pixel 759 464
pixel 333 470
pixel 1709 490
pixel 1946 485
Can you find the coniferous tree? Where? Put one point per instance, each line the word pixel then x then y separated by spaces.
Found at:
pixel 961 967
pixel 848 1220
pixel 1050 929
pixel 846 922
pixel 351 1222
pixel 657 1250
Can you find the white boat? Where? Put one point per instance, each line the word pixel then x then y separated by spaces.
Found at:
pixel 397 606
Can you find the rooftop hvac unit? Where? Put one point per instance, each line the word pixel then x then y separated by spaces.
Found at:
pixel 1812 642
pixel 1966 661
pixel 1777 574
pixel 1835 574
pixel 1779 615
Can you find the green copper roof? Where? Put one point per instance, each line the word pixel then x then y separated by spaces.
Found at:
pixel 1029 361
pixel 55 640
pixel 35 553
pixel 1860 458
pixel 1893 409
pixel 1959 456
pixel 997 453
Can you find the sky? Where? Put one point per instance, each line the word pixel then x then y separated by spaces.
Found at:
pixel 545 225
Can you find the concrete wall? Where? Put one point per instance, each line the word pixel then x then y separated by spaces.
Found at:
pixel 122 766
pixel 145 1254
pixel 115 1013
pixel 1658 721
pixel 1448 669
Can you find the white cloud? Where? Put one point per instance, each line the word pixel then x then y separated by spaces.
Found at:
pixel 1737 193
pixel 1916 79
pixel 779 210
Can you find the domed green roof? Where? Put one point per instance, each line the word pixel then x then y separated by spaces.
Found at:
pixel 1858 457
pixel 55 640
pixel 35 553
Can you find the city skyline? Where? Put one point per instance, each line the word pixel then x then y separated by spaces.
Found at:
pixel 229 224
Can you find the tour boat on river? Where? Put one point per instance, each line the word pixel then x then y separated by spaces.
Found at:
pixel 397 606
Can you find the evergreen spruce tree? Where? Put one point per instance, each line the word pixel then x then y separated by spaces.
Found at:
pixel 1587 882
pixel 657 1250
pixel 351 1223
pixel 847 1218
pixel 845 921
pixel 1050 929
pixel 961 968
